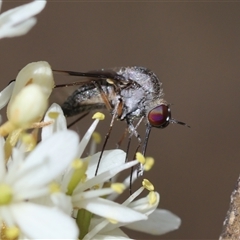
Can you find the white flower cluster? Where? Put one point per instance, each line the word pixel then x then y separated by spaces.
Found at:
pixel 47 190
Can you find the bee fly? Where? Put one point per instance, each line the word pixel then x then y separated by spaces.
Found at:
pixel 129 93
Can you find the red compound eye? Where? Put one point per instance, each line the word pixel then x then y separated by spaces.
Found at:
pixel 159 116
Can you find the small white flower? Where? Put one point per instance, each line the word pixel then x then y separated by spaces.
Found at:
pixel 27 96
pixel 87 190
pixel 83 192
pixel 159 221
pixel 18 21
pixel 39 73
pixel 28 179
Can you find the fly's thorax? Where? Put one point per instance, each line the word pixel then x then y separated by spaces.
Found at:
pixel 145 78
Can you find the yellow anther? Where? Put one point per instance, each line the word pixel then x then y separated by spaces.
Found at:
pixel 149 163
pixel 148 185
pixel 6 194
pixel 152 197
pixel 53 115
pixel 54 188
pixel 118 187
pixel 96 137
pixel 29 140
pixel 113 221
pixel 140 158
pixel 77 164
pixel 99 116
pixel 12 232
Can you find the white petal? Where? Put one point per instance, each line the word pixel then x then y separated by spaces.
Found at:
pixel 20 29
pixel 11 19
pixel 110 236
pixel 86 138
pixel 40 222
pixel 159 222
pixel 92 194
pixel 110 210
pixel 115 233
pixel 39 73
pixel 59 124
pixel 63 202
pixel 49 159
pixel 142 205
pixel 5 94
pixel 2 160
pixel 110 159
pixel 104 176
pixel 6 216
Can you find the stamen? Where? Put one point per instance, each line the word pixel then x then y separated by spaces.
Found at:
pixel 149 163
pixel 118 187
pixel 87 136
pixel 140 158
pixel 29 140
pixel 12 232
pixel 148 185
pixel 133 196
pixel 53 115
pixel 99 116
pixel 152 197
pixel 96 137
pixel 54 188
pixel 113 221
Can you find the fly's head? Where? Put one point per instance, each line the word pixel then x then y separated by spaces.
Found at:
pixel 160 116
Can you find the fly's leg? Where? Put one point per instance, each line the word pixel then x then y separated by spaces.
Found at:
pixel 103 96
pixel 107 137
pixel 133 131
pixel 122 138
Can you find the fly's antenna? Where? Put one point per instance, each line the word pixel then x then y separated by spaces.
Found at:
pixel 172 120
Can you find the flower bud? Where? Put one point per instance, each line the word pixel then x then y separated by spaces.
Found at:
pixel 28 106
pixel 39 73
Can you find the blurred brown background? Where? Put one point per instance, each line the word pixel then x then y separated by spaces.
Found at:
pixel 194 49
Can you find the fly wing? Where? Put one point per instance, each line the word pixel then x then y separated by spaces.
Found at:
pixel 109 76
pixel 96 90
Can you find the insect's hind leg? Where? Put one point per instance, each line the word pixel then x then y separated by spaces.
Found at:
pixel 107 137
